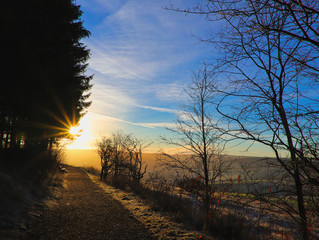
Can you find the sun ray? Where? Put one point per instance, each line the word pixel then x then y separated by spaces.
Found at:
pixel 67 125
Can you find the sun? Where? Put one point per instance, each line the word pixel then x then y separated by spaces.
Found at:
pixel 81 134
pixel 75 130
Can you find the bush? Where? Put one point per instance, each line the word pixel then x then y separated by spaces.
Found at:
pixel 25 178
pixel 31 164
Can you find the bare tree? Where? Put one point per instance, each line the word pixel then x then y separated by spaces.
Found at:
pixel 105 150
pixel 134 158
pixel 195 135
pixel 268 85
pixel 121 157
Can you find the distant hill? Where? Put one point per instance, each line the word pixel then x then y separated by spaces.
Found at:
pixel 90 158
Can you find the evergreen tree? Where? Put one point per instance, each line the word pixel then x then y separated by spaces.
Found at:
pixel 44 82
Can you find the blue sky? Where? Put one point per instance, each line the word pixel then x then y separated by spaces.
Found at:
pixel 142 57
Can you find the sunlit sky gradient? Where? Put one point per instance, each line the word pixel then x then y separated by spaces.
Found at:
pixel 142 56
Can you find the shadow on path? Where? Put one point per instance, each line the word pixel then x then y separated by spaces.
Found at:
pixel 84 211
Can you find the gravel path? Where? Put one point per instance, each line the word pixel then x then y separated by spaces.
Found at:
pixel 84 211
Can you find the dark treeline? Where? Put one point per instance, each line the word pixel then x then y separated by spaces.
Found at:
pixel 43 87
pixel 43 81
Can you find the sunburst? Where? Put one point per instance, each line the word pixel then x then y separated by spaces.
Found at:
pixel 75 130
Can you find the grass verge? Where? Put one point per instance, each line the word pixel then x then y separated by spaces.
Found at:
pixel 189 212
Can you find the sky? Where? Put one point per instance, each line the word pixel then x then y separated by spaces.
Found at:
pixel 142 58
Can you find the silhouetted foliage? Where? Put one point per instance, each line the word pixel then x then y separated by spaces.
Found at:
pixel 43 76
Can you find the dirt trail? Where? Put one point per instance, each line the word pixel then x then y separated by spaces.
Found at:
pixel 84 211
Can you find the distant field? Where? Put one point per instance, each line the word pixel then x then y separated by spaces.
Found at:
pixel 82 158
pixel 257 166
pixel 90 158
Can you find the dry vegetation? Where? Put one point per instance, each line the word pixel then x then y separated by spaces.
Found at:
pixel 235 212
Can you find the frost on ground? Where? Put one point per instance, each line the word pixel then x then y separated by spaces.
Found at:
pixel 158 224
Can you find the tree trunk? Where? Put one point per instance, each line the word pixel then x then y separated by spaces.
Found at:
pixel 298 185
pixel 301 207
pixel 204 157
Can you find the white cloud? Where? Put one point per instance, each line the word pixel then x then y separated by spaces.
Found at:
pixel 160 109
pixel 111 99
pixel 101 6
pixel 131 48
pixel 138 55
pixel 108 60
pixel 99 116
pixel 140 40
pixel 162 125
pixel 102 116
pixel 170 92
